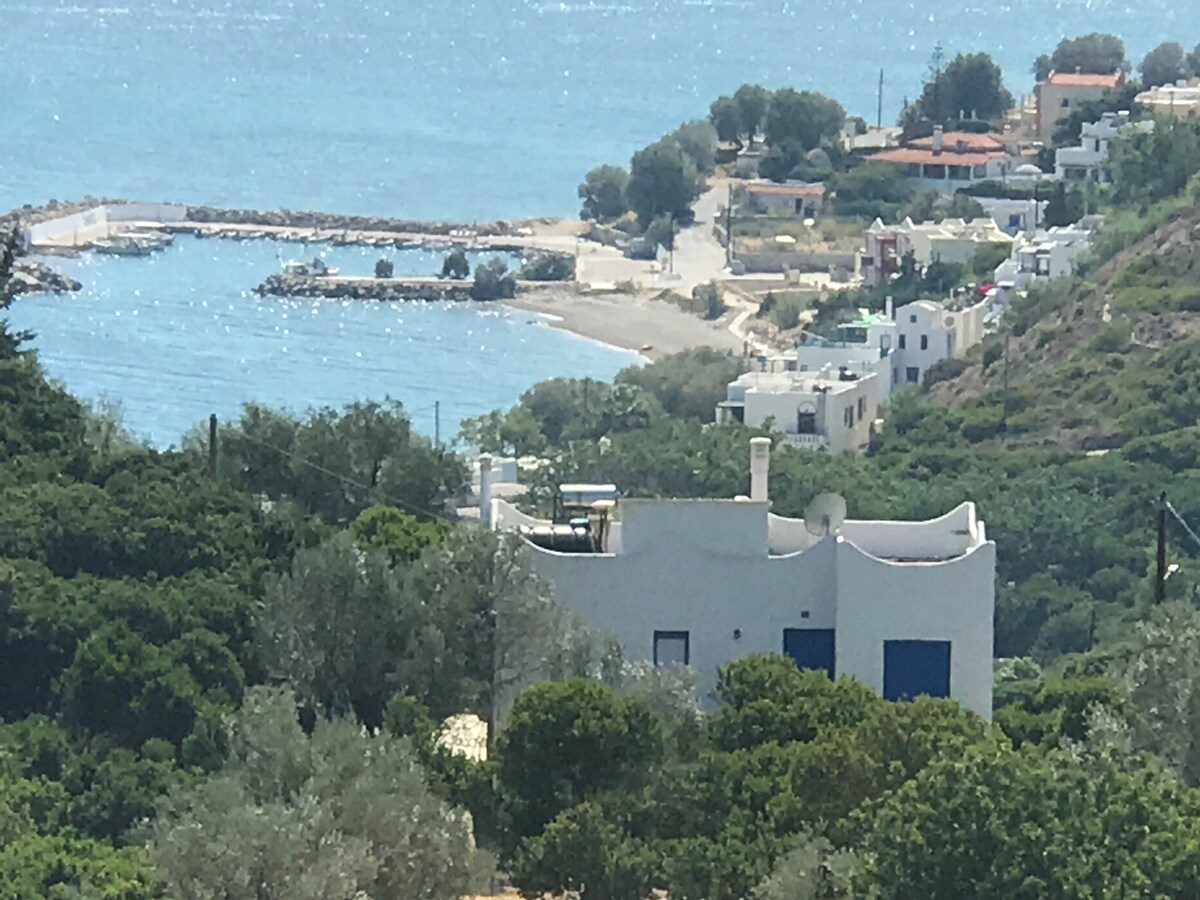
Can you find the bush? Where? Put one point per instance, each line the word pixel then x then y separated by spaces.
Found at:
pixel 493 282
pixel 548 267
pixel 944 370
pixel 707 298
pixel 455 265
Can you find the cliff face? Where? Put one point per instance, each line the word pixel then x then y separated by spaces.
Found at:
pixel 1086 359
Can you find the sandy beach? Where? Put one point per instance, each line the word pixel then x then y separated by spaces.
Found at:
pixel 654 328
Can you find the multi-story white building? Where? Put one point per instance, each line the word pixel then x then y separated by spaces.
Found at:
pixel 828 410
pixel 951 241
pixel 1043 255
pixel 904 607
pixel 928 332
pixel 1089 161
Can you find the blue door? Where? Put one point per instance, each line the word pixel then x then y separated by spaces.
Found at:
pixel 811 648
pixel 916 668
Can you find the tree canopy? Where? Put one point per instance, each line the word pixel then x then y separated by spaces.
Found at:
pixel 1165 64
pixel 663 181
pixel 804 117
pixel 1092 54
pixel 970 86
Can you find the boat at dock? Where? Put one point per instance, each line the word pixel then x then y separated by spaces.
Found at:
pixel 124 246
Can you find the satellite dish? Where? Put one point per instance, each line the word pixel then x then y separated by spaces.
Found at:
pixel 825 514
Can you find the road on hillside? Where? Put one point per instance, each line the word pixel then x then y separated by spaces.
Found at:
pixel 699 256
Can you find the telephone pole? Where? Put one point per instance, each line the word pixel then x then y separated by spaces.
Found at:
pixel 879 109
pixel 437 424
pixel 212 445
pixel 1160 573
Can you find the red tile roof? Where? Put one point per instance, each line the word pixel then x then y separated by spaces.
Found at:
pixel 917 156
pixel 981 143
pixel 787 190
pixel 1070 79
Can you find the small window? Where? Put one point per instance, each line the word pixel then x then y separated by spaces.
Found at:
pixel 671 648
pixel 912 374
pixel 924 342
pixel 903 342
pixel 862 408
pixel 1066 103
pixel 848 417
pixel 913 318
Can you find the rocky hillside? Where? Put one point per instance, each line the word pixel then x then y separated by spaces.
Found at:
pixel 1097 361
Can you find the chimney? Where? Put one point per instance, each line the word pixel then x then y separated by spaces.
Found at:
pixel 939 136
pixel 888 310
pixel 760 467
pixel 485 489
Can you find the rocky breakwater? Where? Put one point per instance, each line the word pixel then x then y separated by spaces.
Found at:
pixel 382 289
pixel 285 218
pixel 35 278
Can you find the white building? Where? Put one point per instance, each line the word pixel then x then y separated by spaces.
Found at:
pixel 793 198
pixel 1014 216
pixel 928 332
pixel 1089 161
pixel 950 241
pixel 828 410
pixel 904 607
pixel 1180 100
pixel 1043 255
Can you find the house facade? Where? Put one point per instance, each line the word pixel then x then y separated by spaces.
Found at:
pixel 1089 161
pixel 1014 216
pixel 948 161
pixel 905 607
pixel 1043 255
pixel 928 332
pixel 1061 92
pixel 1180 100
pixel 806 201
pixel 951 241
pixel 830 410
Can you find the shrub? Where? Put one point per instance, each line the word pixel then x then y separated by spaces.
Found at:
pixel 455 265
pixel 384 268
pixel 944 370
pixel 493 281
pixel 548 267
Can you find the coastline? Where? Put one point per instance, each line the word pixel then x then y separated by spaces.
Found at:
pixel 652 328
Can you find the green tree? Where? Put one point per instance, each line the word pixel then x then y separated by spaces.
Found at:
pixel 970 86
pixel 583 851
pixel 804 117
pixel 1165 64
pixel 814 870
pixel 1094 826
pixel 726 118
pixel 456 265
pixel 698 142
pixel 663 181
pixel 567 742
pixel 603 193
pixel 298 817
pixel 986 258
pixel 689 384
pixel 1063 207
pixel 873 190
pixel 493 281
pixel 752 103
pixel 402 537
pixel 1092 54
pixel 384 268
pixel 548 267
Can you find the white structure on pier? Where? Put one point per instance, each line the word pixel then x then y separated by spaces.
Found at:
pixel 905 607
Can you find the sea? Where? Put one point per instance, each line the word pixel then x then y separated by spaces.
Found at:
pixel 456 110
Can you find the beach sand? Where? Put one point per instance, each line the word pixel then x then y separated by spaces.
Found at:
pixel 655 328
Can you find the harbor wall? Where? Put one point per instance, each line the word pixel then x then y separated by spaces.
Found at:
pixel 96 221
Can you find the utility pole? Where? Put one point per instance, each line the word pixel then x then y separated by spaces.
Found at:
pixel 729 229
pixel 1160 574
pixel 212 445
pixel 879 110
pixel 437 424
pixel 1004 414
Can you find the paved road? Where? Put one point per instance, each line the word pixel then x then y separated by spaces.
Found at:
pixel 699 256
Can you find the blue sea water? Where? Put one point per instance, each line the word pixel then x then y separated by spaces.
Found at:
pixel 452 110
pixel 177 336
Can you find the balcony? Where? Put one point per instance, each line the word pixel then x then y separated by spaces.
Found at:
pixel 806 441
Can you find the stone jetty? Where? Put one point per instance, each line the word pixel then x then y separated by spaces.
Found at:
pixel 334 287
pixel 35 278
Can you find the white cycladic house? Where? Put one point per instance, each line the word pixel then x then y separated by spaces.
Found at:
pixel 828 410
pixel 928 332
pixel 950 241
pixel 904 607
pixel 1089 161
pixel 1043 255
pixel 1180 100
pixel 1014 216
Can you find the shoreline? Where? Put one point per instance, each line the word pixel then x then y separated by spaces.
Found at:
pixel 651 328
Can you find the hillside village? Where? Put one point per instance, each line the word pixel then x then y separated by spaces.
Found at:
pixel 901 601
